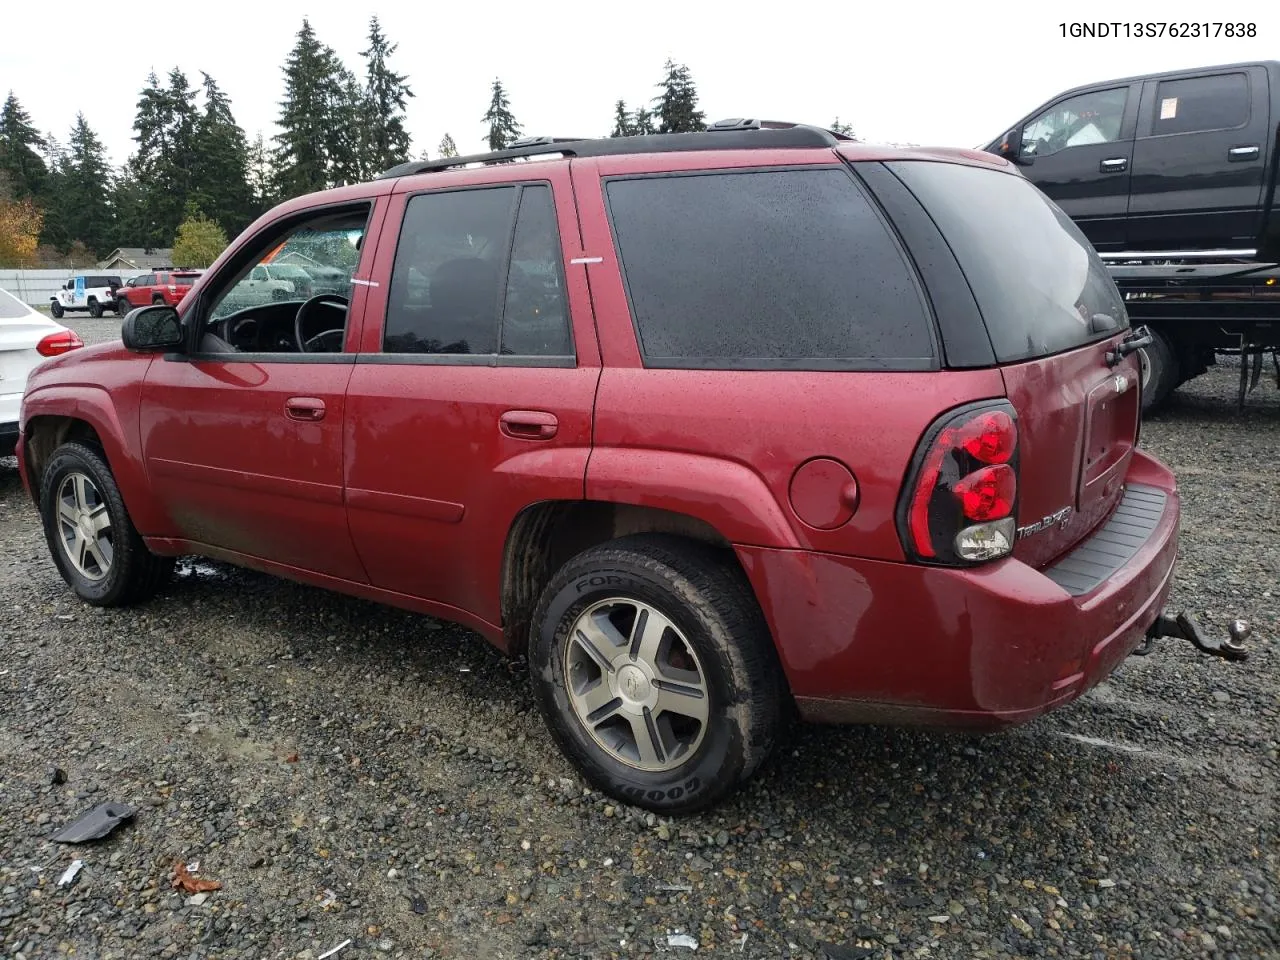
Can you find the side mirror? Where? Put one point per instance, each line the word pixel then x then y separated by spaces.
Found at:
pixel 152 328
pixel 1011 147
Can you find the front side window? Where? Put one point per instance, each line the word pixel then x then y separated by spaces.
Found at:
pixel 264 304
pixel 761 270
pixel 477 272
pixel 1218 102
pixel 1089 118
pixel 275 276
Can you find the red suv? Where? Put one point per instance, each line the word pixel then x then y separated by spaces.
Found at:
pixel 163 286
pixel 709 425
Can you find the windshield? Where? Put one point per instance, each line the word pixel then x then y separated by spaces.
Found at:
pixel 1040 285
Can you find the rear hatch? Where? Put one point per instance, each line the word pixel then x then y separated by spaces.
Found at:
pixel 1052 313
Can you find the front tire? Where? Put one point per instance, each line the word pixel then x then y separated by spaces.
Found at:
pixel 122 308
pixel 55 309
pixel 91 538
pixel 655 672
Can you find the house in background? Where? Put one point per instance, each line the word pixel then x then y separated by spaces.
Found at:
pixel 137 258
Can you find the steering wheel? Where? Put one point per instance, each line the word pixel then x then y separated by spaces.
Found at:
pixel 332 334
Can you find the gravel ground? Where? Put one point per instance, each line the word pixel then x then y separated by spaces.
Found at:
pixel 350 772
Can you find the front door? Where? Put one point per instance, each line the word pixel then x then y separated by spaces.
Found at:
pixel 243 434
pixel 1080 150
pixel 1199 163
pixel 473 391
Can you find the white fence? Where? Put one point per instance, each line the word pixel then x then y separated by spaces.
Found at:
pixel 37 287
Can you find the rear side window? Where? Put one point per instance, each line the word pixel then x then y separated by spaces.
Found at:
pixel 183 279
pixel 1039 284
pixel 478 272
pixel 1201 103
pixel 766 269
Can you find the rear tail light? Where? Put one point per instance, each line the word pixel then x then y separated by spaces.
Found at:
pixel 961 498
pixel 59 343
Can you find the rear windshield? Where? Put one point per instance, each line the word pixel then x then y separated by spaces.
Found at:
pixel 11 306
pixel 1040 285
pixel 771 269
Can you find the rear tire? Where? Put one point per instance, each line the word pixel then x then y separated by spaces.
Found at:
pixel 157 300
pixel 91 538
pixel 1160 371
pixel 95 309
pixel 683 713
pixel 55 309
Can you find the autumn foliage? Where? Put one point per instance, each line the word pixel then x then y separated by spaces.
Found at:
pixel 20 222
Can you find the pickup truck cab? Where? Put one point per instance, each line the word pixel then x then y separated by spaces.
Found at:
pixel 1166 162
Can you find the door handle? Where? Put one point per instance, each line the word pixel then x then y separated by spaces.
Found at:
pixel 1236 154
pixel 306 409
pixel 529 424
pixel 1114 165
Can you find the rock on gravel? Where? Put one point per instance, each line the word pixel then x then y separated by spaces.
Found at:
pixel 326 761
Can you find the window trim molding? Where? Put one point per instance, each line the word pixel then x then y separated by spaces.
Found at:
pixel 496 359
pixel 794 364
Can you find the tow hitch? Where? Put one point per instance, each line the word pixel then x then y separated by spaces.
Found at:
pixel 1184 627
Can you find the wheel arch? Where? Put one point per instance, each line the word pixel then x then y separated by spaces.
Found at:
pixel 546 535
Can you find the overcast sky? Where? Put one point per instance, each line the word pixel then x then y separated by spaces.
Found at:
pixel 899 72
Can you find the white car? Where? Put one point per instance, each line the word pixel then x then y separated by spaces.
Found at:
pixel 26 339
pixel 92 291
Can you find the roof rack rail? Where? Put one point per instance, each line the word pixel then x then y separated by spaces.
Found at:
pixel 733 134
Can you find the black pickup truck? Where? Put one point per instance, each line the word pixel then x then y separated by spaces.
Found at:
pixel 1173 177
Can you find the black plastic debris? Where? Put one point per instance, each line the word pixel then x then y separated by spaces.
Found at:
pixel 57 776
pixel 95 824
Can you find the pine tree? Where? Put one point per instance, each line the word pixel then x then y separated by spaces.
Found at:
pixel 503 129
pixel 311 89
pixel 386 141
pixel 165 130
pixel 845 129
pixel 447 147
pixel 220 173
pixel 128 203
pixel 642 122
pixel 678 103
pixel 621 121
pixel 20 146
pixel 346 146
pixel 84 192
pixel 261 177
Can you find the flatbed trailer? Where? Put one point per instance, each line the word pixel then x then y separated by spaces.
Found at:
pixel 1197 306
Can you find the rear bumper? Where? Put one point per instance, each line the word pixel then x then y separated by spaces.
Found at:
pixel 871 641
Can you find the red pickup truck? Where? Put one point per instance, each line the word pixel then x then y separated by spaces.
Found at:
pixel 163 286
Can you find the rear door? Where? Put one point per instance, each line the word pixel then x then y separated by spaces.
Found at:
pixel 472 395
pixel 1199 161
pixel 1052 313
pixel 1079 151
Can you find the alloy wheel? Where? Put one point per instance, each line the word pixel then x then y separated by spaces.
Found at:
pixel 84 526
pixel 636 684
